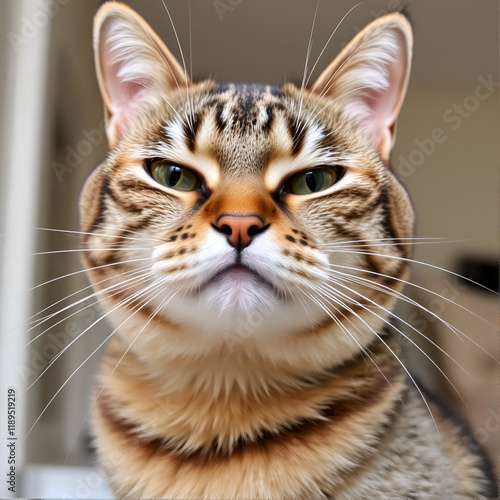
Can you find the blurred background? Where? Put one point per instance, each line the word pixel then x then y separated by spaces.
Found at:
pixel 51 136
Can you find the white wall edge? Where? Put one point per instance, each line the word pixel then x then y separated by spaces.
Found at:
pixel 23 107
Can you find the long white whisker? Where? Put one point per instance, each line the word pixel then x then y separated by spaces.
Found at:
pixel 401 296
pixel 385 256
pixel 36 322
pixel 400 332
pixel 84 271
pixel 65 348
pixel 363 349
pixel 400 362
pixel 328 41
pixel 119 290
pixel 153 314
pixel 392 241
pixel 67 231
pixel 190 104
pixel 73 250
pixel 329 84
pixel 33 319
pixel 81 364
pixel 190 42
pixel 309 47
pixel 347 246
pixel 127 230
pixel 117 286
pixel 419 287
pixel 454 329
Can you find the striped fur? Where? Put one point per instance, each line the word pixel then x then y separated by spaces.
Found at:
pixel 276 382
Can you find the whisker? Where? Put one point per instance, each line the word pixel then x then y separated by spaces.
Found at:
pixel 81 364
pixel 403 297
pixel 92 234
pixel 129 231
pixel 40 321
pixel 364 350
pixel 313 114
pixel 84 271
pixel 32 319
pixel 107 313
pixel 379 286
pixel 385 256
pixel 345 246
pixel 94 402
pixel 118 286
pixel 73 250
pixel 190 104
pixel 400 362
pixel 308 53
pixel 329 40
pixel 190 42
pixel 329 85
pixel 394 327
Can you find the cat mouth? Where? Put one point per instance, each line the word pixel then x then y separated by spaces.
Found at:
pixel 236 274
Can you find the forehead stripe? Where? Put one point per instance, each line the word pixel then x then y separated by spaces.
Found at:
pixel 220 123
pixel 191 126
pixel 297 133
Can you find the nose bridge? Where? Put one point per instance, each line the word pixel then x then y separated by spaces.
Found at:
pixel 242 198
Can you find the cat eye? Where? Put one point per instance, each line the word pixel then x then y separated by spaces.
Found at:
pixel 174 176
pixel 313 180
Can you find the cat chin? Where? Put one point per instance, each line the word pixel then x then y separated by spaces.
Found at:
pixel 239 312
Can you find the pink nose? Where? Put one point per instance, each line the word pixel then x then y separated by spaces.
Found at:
pixel 239 229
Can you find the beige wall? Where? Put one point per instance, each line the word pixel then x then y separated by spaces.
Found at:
pixel 455 188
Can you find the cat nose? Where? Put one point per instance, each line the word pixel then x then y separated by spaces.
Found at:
pixel 240 229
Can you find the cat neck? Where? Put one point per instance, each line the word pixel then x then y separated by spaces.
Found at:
pixel 184 412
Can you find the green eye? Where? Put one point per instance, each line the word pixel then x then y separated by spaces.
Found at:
pixel 175 176
pixel 313 180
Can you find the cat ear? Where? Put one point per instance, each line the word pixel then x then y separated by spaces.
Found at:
pixel 134 68
pixel 369 78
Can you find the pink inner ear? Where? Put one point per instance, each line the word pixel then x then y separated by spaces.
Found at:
pixel 378 120
pixel 383 104
pixel 119 96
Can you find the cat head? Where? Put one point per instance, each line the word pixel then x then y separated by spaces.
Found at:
pixel 221 203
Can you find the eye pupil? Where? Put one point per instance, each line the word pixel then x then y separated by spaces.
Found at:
pixel 174 176
pixel 311 181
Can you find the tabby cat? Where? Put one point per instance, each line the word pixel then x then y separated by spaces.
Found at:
pixel 248 243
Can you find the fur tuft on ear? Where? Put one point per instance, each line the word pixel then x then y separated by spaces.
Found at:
pixel 370 76
pixel 134 68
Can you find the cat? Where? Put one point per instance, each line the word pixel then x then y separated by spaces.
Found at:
pixel 248 243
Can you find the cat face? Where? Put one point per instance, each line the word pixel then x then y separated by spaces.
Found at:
pixel 218 201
